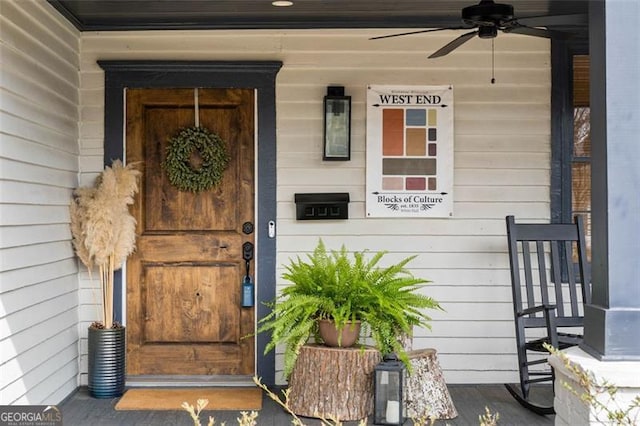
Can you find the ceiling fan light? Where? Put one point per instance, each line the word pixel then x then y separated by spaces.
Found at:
pixel 487 31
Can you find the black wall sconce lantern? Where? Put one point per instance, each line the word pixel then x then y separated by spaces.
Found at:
pixel 388 389
pixel 337 125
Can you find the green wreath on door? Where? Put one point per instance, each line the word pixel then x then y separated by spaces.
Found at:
pixel 196 159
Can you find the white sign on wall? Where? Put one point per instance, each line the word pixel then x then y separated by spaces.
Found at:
pixel 409 151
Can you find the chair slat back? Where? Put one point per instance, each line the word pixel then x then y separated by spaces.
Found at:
pixel 549 249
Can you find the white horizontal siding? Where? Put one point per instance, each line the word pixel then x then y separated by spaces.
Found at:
pixel 39 82
pixel 501 157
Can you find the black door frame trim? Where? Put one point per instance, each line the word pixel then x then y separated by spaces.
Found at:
pixel 259 75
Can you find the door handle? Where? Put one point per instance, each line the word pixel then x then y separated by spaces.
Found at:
pixel 247 282
pixel 247 251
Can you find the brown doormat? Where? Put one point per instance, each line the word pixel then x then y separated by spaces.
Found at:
pixel 232 398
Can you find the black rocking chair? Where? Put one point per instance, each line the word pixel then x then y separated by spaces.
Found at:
pixel 549 293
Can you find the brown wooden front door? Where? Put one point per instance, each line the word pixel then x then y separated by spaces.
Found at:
pixel 184 314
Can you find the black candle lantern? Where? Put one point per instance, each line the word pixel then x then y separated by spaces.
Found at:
pixel 388 388
pixel 337 125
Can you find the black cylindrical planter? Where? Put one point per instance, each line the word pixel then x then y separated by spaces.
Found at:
pixel 106 362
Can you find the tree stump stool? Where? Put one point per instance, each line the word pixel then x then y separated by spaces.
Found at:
pixel 333 383
pixel 426 393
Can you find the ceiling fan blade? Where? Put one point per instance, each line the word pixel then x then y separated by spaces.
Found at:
pixel 545 21
pixel 536 32
pixel 449 47
pixel 417 32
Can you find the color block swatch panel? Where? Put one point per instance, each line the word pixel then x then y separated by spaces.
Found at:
pixel 409 151
pixel 407 133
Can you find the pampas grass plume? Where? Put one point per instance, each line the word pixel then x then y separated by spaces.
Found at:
pixel 78 213
pixel 103 229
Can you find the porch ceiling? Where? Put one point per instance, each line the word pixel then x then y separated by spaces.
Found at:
pixel 92 15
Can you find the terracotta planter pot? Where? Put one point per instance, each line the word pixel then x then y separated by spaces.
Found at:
pixel 329 333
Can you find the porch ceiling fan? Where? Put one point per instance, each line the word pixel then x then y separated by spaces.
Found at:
pixel 487 17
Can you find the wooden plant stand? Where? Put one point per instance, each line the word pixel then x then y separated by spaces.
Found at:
pixel 333 383
pixel 427 394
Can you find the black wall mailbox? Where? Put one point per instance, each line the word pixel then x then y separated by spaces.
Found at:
pixel 322 206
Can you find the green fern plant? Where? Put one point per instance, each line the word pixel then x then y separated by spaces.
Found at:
pixel 334 285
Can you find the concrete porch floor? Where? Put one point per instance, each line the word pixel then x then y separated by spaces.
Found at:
pixel 470 401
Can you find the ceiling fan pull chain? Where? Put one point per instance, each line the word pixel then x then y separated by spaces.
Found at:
pixel 493 63
pixel 197 107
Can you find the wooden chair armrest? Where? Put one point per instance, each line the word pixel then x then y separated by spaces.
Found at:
pixel 549 319
pixel 533 310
